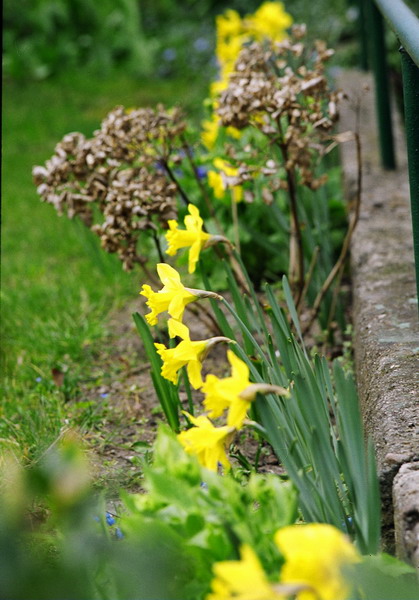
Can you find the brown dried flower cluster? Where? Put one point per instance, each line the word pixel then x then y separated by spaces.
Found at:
pixel 281 89
pixel 119 175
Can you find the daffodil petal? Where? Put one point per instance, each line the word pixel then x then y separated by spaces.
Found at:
pixel 168 275
pixel 194 373
pixel 178 329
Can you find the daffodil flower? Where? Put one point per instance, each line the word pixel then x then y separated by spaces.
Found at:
pixel 315 555
pixel 187 353
pixel 193 236
pixel 245 579
pixel 209 134
pixel 215 181
pixel 226 178
pixel 242 579
pixel 211 128
pixel 173 297
pixel 269 21
pixel 221 394
pixel 235 393
pixel 206 442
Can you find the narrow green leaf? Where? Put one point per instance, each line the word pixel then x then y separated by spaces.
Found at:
pixel 374 502
pixel 251 341
pixel 291 307
pixel 168 397
pixel 252 292
pixel 328 481
pixel 242 317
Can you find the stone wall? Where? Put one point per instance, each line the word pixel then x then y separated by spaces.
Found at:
pixel 385 310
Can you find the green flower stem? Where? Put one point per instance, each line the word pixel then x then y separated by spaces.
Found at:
pixel 188 391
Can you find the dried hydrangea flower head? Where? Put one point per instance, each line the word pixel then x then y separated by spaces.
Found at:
pixel 232 32
pixel 121 171
pixel 292 106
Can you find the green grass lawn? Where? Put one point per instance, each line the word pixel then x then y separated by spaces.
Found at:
pixel 58 286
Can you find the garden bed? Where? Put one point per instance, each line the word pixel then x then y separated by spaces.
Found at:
pixel 242 435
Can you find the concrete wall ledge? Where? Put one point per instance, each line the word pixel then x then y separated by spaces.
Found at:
pixel 385 315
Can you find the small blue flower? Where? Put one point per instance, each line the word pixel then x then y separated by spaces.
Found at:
pixel 201 44
pixel 169 54
pixel 109 519
pixel 104 395
pixel 201 172
pixel 38 379
pixel 118 533
pixel 159 165
pixel 349 521
pixel 203 485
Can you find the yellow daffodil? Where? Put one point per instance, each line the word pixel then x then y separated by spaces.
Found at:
pixel 230 39
pixel 211 127
pixel 215 181
pixel 225 167
pixel 225 393
pixel 315 555
pixel 210 131
pixel 235 393
pixel 237 193
pixel 227 51
pixel 242 579
pixel 229 24
pixel 193 236
pixel 186 353
pixel 206 442
pixel 234 132
pixel 269 21
pixel 173 297
pixel 219 181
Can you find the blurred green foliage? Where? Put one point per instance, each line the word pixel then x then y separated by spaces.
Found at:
pixel 143 37
pixel 57 540
pixel 147 37
pixel 46 37
pixel 63 544
pixel 42 37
